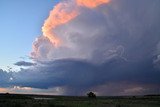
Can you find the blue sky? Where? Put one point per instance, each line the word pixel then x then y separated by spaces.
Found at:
pixel 21 22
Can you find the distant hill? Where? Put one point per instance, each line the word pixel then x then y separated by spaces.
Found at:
pixel 14 96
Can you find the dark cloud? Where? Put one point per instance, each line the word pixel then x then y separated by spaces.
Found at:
pixel 78 76
pixel 5 78
pixel 24 63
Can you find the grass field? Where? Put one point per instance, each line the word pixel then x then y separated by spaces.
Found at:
pixel 14 100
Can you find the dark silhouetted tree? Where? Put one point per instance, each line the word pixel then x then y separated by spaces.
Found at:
pixel 91 95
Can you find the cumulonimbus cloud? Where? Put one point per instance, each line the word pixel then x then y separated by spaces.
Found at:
pixel 63 13
pixel 120 36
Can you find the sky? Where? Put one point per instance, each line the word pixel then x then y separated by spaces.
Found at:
pixel 21 22
pixel 71 47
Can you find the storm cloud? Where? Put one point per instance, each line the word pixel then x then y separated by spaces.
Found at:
pixel 78 76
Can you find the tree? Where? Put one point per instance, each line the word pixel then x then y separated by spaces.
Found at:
pixel 91 95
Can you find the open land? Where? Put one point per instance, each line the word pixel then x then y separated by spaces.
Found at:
pixel 21 100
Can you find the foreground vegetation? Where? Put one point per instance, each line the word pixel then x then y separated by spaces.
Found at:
pixel 8 100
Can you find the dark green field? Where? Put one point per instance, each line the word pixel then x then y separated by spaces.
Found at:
pixel 14 100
